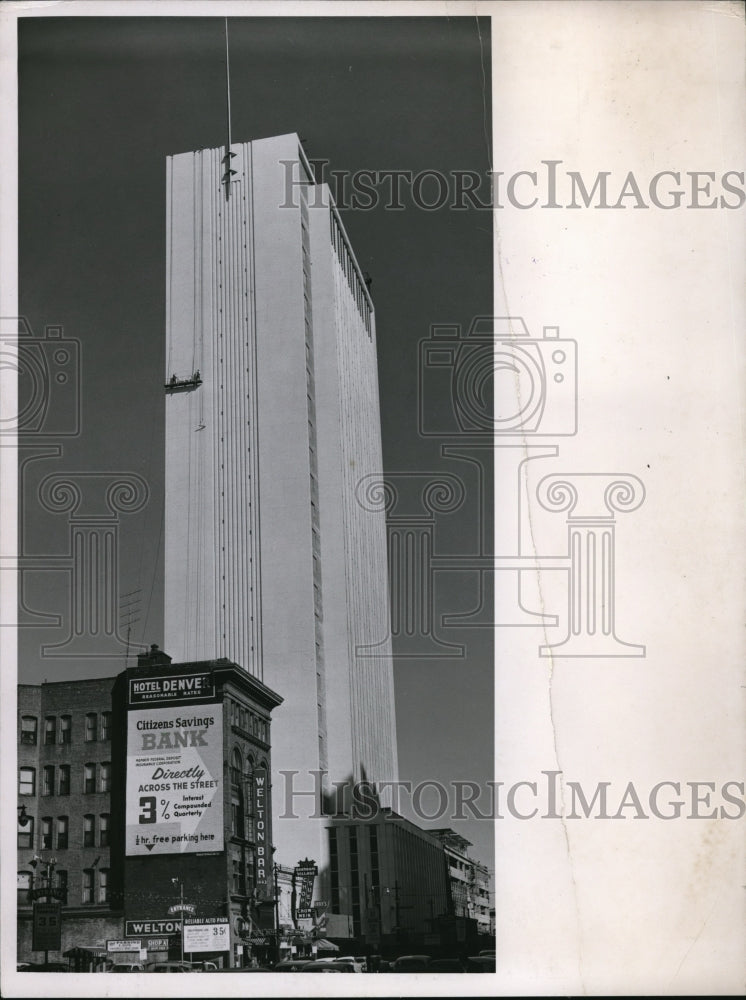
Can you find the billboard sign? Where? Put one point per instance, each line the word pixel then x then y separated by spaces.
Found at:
pixel 142 928
pixel 47 927
pixel 262 826
pixel 305 875
pixel 157 944
pixel 123 945
pixel 175 688
pixel 206 934
pixel 174 780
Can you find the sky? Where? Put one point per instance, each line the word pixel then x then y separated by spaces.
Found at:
pixel 102 102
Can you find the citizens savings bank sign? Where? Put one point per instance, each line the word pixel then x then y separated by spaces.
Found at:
pixel 174 779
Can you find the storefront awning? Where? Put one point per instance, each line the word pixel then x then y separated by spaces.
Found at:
pixel 79 953
pixel 324 944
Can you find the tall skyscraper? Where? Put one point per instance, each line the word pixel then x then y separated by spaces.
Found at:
pixel 272 422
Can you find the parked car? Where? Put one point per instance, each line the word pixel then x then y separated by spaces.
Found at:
pixel 481 963
pixel 291 964
pixel 245 968
pixel 169 967
pixel 445 965
pixel 328 967
pixel 411 963
pixel 46 967
pixel 349 960
pixel 126 967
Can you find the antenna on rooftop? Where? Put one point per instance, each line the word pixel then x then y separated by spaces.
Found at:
pixel 226 178
pixel 129 615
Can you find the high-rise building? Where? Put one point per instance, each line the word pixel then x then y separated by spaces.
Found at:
pixel 272 557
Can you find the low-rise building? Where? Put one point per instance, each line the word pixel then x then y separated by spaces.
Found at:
pixel 469 879
pixel 387 882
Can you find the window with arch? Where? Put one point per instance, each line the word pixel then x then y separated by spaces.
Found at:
pixel 87 886
pixel 29 729
pixel 238 827
pixel 251 865
pixel 106 725
pixel 103 830
pixel 63 825
pixel 236 767
pixel 50 730
pixel 89 779
pixel 89 830
pixel 64 780
pixel 47 780
pixel 66 728
pixel 103 885
pixel 91 727
pixel 27 781
pixel 105 776
pixel 46 843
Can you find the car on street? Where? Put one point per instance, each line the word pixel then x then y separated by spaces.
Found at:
pixel 411 963
pixel 291 964
pixel 45 967
pixel 354 964
pixel 328 967
pixel 481 963
pixel 244 968
pixel 445 965
pixel 126 967
pixel 170 967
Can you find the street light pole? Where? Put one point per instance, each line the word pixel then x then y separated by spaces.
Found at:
pixel 277 900
pixel 180 882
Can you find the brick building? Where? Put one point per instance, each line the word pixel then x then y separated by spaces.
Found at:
pixel 64 799
pixel 140 792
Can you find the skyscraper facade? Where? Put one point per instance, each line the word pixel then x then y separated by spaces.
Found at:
pixel 273 558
